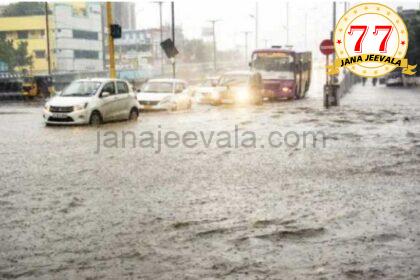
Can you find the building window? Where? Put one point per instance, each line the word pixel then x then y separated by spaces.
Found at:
pixel 39 54
pixel 88 35
pixel 22 34
pixel 86 54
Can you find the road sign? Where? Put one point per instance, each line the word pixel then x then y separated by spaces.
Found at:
pixel 327 47
pixel 169 48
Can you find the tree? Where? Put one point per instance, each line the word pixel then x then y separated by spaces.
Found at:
pixel 22 57
pixel 413 26
pixel 196 50
pixel 14 57
pixel 7 53
pixel 24 9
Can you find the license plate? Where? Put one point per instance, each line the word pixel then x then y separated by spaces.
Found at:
pixel 147 107
pixel 59 115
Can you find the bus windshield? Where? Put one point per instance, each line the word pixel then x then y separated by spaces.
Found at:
pixel 272 62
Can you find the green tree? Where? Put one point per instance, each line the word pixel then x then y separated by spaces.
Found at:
pixel 14 57
pixel 7 53
pixel 24 9
pixel 413 26
pixel 22 57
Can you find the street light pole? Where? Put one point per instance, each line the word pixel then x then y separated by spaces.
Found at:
pixel 287 23
pixel 256 25
pixel 213 22
pixel 47 36
pixel 161 35
pixel 173 37
pixel 112 73
pixel 255 17
pixel 246 45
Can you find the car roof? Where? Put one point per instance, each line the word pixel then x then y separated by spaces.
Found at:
pixel 167 80
pixel 101 80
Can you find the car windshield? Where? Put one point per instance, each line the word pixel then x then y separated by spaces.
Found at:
pixel 278 62
pixel 158 87
pixel 81 88
pixel 232 79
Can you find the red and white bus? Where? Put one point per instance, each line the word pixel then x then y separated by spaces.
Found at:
pixel 286 74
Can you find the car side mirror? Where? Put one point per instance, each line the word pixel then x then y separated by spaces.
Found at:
pixel 105 94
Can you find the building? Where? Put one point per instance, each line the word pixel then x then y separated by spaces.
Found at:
pixel 78 36
pixel 133 49
pixel 124 14
pixel 75 37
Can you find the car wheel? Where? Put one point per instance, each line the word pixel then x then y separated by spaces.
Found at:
pixel 296 95
pixel 95 118
pixel 134 115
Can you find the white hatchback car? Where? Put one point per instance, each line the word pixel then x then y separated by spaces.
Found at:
pixel 164 94
pixel 92 101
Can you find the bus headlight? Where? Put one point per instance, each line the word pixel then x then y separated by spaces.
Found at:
pixel 286 89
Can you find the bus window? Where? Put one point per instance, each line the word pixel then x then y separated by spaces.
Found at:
pixel 277 62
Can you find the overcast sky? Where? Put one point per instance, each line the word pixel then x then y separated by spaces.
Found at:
pixel 234 18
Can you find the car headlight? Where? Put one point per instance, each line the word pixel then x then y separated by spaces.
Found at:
pixel 47 107
pixel 80 107
pixel 242 94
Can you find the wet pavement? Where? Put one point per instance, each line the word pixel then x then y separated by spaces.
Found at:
pixel 349 210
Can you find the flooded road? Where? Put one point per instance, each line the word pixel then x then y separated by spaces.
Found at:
pixel 349 210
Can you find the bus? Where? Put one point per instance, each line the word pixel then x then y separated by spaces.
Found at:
pixel 286 74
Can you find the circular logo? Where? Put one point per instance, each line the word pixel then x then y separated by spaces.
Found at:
pixel 370 39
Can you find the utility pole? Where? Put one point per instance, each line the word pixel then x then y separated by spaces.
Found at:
pixel 287 23
pixel 47 35
pixel 256 25
pixel 306 31
pixel 255 17
pixel 213 22
pixel 161 35
pixel 246 45
pixel 173 37
pixel 333 25
pixel 112 73
pixel 265 43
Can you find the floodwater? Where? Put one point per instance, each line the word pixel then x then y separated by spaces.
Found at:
pixel 349 210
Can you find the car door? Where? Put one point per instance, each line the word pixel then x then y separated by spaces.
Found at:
pixel 123 100
pixel 109 103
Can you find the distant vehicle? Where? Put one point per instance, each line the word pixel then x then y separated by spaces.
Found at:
pixel 238 87
pixel 164 94
pixel 286 74
pixel 203 92
pixel 394 79
pixel 92 101
pixel 34 86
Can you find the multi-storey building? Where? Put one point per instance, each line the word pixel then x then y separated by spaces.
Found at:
pixel 75 37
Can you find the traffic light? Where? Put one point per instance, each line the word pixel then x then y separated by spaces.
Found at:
pixel 169 48
pixel 115 31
